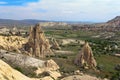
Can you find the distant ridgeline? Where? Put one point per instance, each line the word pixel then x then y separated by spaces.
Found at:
pixel 10 22
pixel 30 22
pixel 111 25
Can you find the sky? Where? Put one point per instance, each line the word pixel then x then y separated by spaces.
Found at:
pixel 60 10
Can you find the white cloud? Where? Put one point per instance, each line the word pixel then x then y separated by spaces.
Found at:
pixel 82 10
pixel 3 2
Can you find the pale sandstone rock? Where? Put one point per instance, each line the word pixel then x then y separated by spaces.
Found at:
pixel 11 43
pixel 46 78
pixel 7 73
pixel 37 44
pixel 49 65
pixel 54 44
pixel 69 41
pixel 117 55
pixel 85 58
pixel 77 72
pixel 27 63
pixel 54 74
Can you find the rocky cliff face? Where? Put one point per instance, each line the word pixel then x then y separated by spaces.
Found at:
pixel 85 58
pixel 114 22
pixel 37 44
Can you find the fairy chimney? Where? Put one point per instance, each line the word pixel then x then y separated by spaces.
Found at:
pixel 85 58
pixel 55 44
pixel 37 45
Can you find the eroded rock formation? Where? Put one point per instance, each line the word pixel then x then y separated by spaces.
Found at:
pixel 85 58
pixel 54 44
pixel 29 65
pixel 8 73
pixel 37 44
pixel 11 43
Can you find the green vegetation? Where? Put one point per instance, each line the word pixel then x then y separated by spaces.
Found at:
pixel 103 49
pixel 70 34
pixel 107 64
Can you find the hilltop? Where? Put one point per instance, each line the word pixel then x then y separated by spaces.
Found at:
pixel 115 22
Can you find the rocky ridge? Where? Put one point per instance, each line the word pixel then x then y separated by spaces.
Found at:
pixel 114 22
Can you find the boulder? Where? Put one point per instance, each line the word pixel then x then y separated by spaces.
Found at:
pixel 53 74
pixel 85 58
pixel 49 65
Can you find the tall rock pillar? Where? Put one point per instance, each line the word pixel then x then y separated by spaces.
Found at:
pixel 37 45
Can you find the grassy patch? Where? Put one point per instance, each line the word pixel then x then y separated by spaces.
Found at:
pixel 104 57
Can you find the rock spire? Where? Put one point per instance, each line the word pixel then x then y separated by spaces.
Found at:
pixel 85 58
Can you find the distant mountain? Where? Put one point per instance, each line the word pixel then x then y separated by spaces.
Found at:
pixel 29 22
pixel 79 22
pixel 114 22
pixel 33 21
pixel 26 22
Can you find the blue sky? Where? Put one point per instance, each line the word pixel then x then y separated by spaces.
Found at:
pixel 60 10
pixel 15 2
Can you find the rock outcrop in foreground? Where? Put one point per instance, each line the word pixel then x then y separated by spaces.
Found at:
pixel 85 58
pixel 29 65
pixel 7 73
pixel 37 44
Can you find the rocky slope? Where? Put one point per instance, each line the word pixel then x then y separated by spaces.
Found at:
pixel 114 22
pixel 11 43
pixel 36 45
pixel 29 65
pixel 7 73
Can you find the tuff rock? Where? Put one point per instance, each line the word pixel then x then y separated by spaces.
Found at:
pixel 37 44
pixel 85 57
